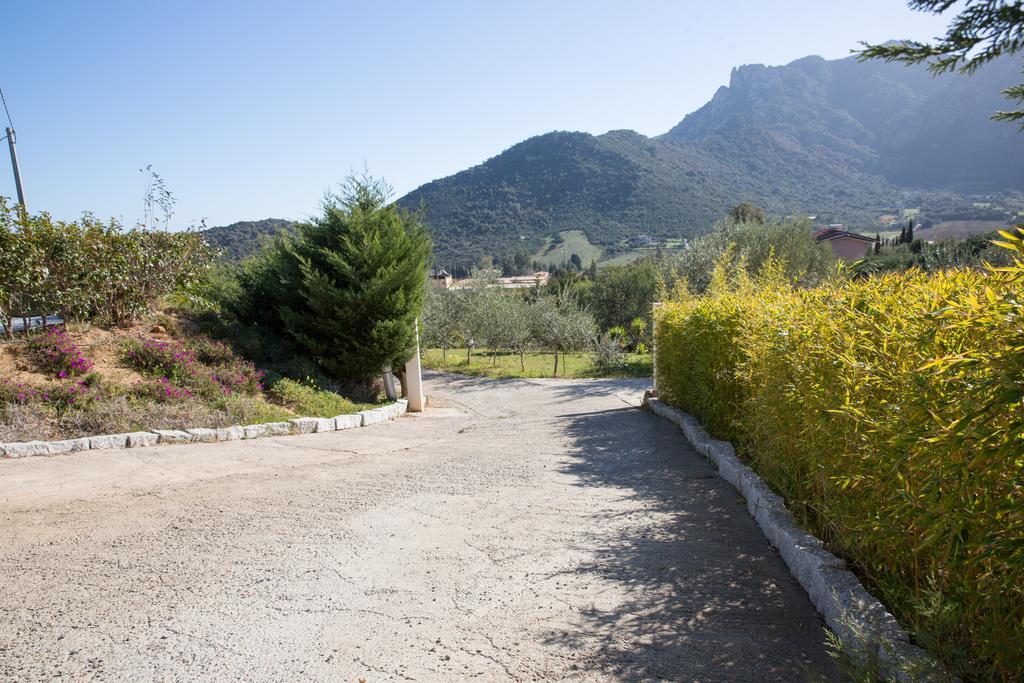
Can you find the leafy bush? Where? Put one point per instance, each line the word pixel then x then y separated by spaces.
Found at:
pixel 162 390
pixel 55 354
pixel 791 241
pixel 608 355
pixel 890 414
pixel 89 270
pixel 976 251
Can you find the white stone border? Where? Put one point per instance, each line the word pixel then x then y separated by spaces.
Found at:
pixel 299 425
pixel 861 623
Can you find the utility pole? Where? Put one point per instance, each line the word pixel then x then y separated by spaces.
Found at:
pixel 14 164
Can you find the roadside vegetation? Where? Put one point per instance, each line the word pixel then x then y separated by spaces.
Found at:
pixel 888 412
pixel 156 336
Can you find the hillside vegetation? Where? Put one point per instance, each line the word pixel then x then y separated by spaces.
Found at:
pixel 838 139
pixel 245 238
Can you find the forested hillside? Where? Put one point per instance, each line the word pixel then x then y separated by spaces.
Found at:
pixel 241 239
pixel 838 139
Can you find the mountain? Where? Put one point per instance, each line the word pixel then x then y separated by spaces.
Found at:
pixel 244 238
pixel 834 138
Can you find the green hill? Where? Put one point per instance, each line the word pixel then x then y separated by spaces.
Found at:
pixel 838 139
pixel 244 238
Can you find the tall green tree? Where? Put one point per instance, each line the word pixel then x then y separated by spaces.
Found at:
pixel 357 277
pixel 981 32
pixel 746 213
pixel 622 293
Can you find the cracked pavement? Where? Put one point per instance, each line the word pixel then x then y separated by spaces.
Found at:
pixel 518 530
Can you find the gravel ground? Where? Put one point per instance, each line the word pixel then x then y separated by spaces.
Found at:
pixel 521 529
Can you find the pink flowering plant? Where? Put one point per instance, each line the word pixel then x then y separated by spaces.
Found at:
pixel 55 354
pixel 202 368
pixel 61 397
pixel 162 390
pixel 18 392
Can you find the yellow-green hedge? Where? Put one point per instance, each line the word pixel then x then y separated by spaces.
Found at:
pixel 890 414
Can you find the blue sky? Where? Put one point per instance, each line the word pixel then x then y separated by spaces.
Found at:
pixel 254 109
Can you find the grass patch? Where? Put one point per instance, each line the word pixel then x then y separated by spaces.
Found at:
pixel 575 242
pixel 310 401
pixel 628 257
pixel 507 365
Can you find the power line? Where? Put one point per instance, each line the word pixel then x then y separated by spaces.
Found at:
pixel 6 110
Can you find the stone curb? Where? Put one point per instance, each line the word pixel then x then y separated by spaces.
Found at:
pixel 858 619
pixel 299 425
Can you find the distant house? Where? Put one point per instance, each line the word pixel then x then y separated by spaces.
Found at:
pixel 848 246
pixel 441 279
pixel 538 279
pixel 641 241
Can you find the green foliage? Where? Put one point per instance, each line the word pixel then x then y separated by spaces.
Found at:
pixel 746 212
pixel 561 324
pixel 443 311
pixel 90 270
pixel 983 31
pixel 487 316
pixel 621 294
pixel 307 399
pixel 608 355
pixel 202 368
pixel 347 287
pixel 889 413
pixel 974 252
pixel 791 241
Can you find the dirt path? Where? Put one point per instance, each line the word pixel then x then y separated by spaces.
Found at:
pixel 523 530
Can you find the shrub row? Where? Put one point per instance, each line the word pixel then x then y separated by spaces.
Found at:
pixel 89 270
pixel 890 414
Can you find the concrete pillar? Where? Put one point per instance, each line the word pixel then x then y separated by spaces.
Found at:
pixel 414 378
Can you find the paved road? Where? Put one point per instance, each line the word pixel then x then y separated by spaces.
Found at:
pixel 523 530
pixel 35 322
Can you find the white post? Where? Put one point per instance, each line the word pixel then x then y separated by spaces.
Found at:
pixel 414 379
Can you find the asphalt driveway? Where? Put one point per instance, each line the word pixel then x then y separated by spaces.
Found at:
pixel 522 530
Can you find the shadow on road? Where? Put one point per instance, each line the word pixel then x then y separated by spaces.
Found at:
pixel 710 600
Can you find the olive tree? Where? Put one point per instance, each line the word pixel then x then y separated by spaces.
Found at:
pixel 443 311
pixel 513 323
pixel 560 324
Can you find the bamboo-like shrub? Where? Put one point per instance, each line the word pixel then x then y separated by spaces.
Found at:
pixel 889 412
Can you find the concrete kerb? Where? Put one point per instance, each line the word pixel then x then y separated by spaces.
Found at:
pixel 861 623
pixel 301 425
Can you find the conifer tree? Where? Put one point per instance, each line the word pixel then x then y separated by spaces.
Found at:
pixel 359 280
